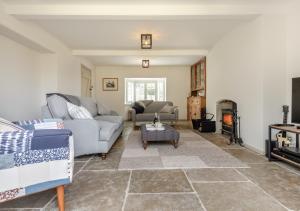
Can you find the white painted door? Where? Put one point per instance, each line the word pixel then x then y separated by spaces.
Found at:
pixel 86 82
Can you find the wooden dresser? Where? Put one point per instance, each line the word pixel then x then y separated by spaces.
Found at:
pixel 196 103
pixel 196 107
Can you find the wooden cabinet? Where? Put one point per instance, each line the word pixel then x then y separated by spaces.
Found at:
pixel 196 103
pixel 196 107
pixel 198 78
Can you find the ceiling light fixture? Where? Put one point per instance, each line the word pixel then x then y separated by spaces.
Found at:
pixel 145 63
pixel 146 41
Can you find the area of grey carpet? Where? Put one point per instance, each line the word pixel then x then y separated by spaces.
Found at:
pixel 193 151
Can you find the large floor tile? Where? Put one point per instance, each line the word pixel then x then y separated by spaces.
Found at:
pixel 216 157
pixel 242 196
pixel 219 140
pixel 182 161
pixel 84 157
pixel 140 152
pixel 96 190
pixel 38 200
pixel 277 181
pixel 247 156
pixel 165 202
pixel 159 181
pixel 111 162
pixel 78 166
pixel 214 174
pixel 141 163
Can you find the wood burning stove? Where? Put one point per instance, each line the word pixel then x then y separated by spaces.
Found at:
pixel 228 121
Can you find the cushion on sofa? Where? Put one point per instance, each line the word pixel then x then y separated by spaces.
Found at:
pixel 146 102
pixel 150 116
pixel 156 106
pixel 112 119
pixel 168 109
pixel 58 107
pixel 78 112
pixel 138 108
pixel 6 126
pixel 90 105
pixel 107 129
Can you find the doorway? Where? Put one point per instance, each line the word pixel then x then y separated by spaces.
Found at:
pixel 86 82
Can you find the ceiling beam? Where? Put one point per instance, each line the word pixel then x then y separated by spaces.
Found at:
pixel 183 52
pixel 133 11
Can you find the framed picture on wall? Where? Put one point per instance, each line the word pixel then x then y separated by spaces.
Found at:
pixel 110 84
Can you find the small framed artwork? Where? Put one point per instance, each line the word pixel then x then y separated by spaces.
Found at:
pixel 110 84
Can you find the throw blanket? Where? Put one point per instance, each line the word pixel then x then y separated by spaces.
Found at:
pixel 34 160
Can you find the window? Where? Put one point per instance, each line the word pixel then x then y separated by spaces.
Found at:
pixel 145 89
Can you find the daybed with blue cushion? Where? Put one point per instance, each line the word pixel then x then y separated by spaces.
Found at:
pixel 35 160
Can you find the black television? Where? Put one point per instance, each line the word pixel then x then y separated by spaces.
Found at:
pixel 296 100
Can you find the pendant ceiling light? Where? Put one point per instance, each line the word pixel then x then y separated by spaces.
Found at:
pixel 146 41
pixel 145 63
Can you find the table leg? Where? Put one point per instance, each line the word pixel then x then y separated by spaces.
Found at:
pixel 175 142
pixel 145 143
pixel 297 140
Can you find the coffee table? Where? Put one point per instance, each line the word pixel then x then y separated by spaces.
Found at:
pixel 169 134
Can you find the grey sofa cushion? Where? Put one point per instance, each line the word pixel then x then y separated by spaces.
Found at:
pixel 58 107
pixel 90 105
pixel 107 129
pixel 156 106
pixel 150 116
pixel 74 99
pixel 146 102
pixel 112 119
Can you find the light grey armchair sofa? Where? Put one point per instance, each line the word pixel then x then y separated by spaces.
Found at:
pixel 151 108
pixel 90 135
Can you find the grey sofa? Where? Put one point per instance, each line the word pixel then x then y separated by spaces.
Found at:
pixel 90 135
pixel 151 108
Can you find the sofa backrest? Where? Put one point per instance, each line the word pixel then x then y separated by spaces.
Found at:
pixel 57 104
pixel 156 106
pixel 90 104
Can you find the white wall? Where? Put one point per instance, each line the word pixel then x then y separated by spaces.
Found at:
pixel 19 81
pixel 248 66
pixel 178 85
pixel 293 47
pixel 45 65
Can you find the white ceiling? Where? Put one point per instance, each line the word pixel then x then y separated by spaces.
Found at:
pixel 116 34
pixel 137 60
pixel 86 32
pixel 205 2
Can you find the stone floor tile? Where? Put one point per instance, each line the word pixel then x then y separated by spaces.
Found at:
pixel 242 196
pixel 141 152
pixel 96 190
pixel 37 200
pixel 83 158
pixel 78 166
pixel 159 181
pixel 246 155
pixel 182 161
pixel 165 202
pixel 111 162
pixel 214 174
pixel 141 163
pixel 277 181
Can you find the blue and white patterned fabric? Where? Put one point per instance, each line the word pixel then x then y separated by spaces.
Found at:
pixel 34 160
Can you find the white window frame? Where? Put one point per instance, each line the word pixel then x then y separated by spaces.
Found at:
pixel 147 80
